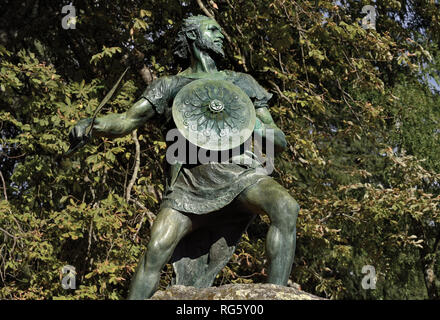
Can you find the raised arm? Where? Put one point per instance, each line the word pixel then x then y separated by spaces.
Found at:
pixel 264 122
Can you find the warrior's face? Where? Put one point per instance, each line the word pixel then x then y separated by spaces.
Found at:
pixel 210 37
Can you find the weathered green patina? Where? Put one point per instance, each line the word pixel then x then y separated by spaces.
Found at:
pixel 214 114
pixel 207 206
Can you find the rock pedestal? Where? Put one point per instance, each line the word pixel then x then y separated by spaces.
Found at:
pixel 258 291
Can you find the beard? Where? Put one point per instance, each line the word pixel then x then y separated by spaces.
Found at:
pixel 210 47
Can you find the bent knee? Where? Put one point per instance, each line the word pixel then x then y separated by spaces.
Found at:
pixel 159 246
pixel 286 213
pixel 167 231
pixel 164 240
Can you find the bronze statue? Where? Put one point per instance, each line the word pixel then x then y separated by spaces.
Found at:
pixel 207 206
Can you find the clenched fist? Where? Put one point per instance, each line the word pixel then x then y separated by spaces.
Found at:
pixel 78 133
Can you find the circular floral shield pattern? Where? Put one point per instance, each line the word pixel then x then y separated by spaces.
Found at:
pixel 214 114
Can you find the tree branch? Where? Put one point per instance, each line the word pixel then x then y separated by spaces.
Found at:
pixel 282 95
pixel 206 11
pixel 136 166
pixel 8 234
pixel 150 216
pixel 4 186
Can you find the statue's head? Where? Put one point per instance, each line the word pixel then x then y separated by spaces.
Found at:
pixel 205 33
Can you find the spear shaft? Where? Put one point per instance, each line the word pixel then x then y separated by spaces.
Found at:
pixel 86 137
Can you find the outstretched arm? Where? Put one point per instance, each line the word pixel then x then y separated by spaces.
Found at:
pixel 264 122
pixel 120 124
pixel 116 124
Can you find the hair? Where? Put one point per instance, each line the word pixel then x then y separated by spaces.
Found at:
pixel 182 49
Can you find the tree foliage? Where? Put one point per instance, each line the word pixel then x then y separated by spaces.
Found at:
pixel 358 108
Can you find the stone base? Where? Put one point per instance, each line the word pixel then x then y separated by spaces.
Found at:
pixel 254 291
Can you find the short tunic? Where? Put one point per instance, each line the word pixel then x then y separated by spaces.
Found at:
pixel 205 188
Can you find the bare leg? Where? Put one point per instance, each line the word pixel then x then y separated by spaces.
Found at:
pixel 168 229
pixel 271 198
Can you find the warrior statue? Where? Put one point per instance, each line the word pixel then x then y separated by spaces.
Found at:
pixel 206 207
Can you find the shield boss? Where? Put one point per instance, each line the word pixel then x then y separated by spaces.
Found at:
pixel 214 114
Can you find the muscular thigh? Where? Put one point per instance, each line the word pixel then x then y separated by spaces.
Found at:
pixel 169 227
pixel 269 197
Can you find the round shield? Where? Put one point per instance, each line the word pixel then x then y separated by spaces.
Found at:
pixel 214 114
